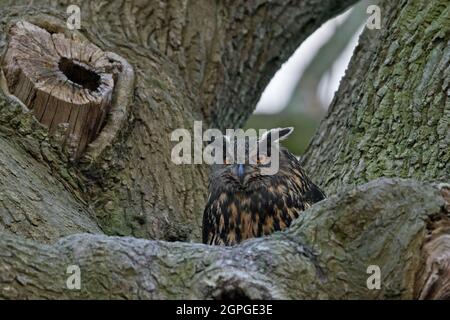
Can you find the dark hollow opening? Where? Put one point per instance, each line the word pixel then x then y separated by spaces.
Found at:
pixel 78 74
pixel 232 294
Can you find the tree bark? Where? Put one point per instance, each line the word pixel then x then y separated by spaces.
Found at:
pixel 391 114
pixel 191 62
pixel 209 61
pixel 324 255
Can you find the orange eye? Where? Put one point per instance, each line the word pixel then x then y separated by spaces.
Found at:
pixel 263 159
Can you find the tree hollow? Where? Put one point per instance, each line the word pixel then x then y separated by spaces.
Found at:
pixel 67 84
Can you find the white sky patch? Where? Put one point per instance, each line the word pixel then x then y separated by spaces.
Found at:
pixel 278 92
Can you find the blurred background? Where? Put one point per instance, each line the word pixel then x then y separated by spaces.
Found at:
pixel 301 91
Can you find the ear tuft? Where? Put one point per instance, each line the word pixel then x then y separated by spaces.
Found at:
pixel 279 133
pixel 283 133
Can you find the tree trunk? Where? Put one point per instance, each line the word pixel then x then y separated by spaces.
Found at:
pixel 391 115
pixel 192 61
pixel 209 61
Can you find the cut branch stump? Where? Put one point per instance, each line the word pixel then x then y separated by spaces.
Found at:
pixel 64 82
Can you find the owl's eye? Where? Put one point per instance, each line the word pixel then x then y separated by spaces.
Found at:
pixel 263 159
pixel 260 159
pixel 225 159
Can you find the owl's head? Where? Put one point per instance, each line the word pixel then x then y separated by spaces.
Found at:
pixel 254 168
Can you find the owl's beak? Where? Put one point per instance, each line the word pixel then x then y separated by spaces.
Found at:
pixel 240 172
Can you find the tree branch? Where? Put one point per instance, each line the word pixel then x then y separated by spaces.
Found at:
pixel 324 254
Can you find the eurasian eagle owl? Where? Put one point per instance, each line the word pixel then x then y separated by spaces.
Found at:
pixel 244 203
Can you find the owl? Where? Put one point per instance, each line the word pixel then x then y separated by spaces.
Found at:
pixel 244 203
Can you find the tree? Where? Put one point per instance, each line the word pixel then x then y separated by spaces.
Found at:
pixel 209 61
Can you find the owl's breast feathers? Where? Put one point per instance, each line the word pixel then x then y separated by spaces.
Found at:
pixel 231 217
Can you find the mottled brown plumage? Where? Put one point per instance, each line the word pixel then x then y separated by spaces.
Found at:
pixel 243 203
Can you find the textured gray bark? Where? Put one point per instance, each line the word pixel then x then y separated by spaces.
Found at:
pixel 206 60
pixel 325 254
pixel 391 115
